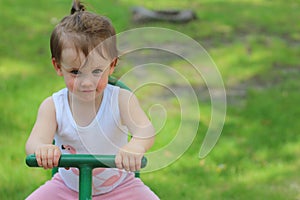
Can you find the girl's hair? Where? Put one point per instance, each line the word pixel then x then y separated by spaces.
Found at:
pixel 85 32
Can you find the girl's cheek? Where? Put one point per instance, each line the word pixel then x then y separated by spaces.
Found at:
pixel 70 83
pixel 102 84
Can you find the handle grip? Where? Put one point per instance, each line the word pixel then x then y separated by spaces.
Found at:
pixel 78 160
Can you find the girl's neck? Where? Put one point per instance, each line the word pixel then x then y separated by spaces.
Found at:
pixel 84 112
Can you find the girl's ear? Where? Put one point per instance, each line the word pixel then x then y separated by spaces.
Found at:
pixel 113 65
pixel 57 67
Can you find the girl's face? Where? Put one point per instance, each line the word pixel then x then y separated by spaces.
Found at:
pixel 85 78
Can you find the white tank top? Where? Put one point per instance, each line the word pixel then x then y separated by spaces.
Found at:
pixel 104 136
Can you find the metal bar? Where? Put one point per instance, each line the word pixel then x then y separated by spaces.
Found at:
pixel 85 182
pixel 76 160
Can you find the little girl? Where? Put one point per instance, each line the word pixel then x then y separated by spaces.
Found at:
pixel 89 116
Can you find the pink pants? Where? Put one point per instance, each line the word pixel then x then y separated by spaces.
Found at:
pixel 131 189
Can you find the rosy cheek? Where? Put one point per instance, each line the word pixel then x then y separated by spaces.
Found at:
pixel 70 83
pixel 102 84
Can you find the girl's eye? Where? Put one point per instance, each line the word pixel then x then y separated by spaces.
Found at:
pixel 75 72
pixel 97 71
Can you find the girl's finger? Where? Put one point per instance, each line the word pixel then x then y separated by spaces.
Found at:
pixel 38 158
pixel 50 158
pixel 132 163
pixel 56 157
pixel 118 161
pixel 44 159
pixel 138 162
pixel 126 163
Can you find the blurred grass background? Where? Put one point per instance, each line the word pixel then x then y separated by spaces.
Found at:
pixel 254 43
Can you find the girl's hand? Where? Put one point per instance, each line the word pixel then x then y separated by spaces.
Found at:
pixel 47 156
pixel 129 157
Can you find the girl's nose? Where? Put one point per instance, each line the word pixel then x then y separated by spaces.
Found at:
pixel 86 81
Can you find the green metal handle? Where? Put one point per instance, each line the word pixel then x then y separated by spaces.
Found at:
pixel 77 160
pixel 85 163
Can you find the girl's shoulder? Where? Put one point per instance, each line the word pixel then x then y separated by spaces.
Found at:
pixel 127 99
pixel 47 106
pixel 125 95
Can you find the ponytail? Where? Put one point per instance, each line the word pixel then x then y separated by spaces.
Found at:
pixel 77 7
pixel 86 31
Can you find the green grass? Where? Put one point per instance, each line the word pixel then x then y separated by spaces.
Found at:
pixel 255 45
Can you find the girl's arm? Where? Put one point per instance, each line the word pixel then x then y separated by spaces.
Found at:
pixel 132 116
pixel 42 134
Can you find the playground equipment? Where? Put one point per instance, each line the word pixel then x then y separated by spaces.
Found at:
pixel 85 163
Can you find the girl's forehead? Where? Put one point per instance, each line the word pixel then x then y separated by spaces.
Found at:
pixel 73 58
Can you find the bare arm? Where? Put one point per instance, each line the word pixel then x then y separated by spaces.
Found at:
pixel 143 133
pixel 42 134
